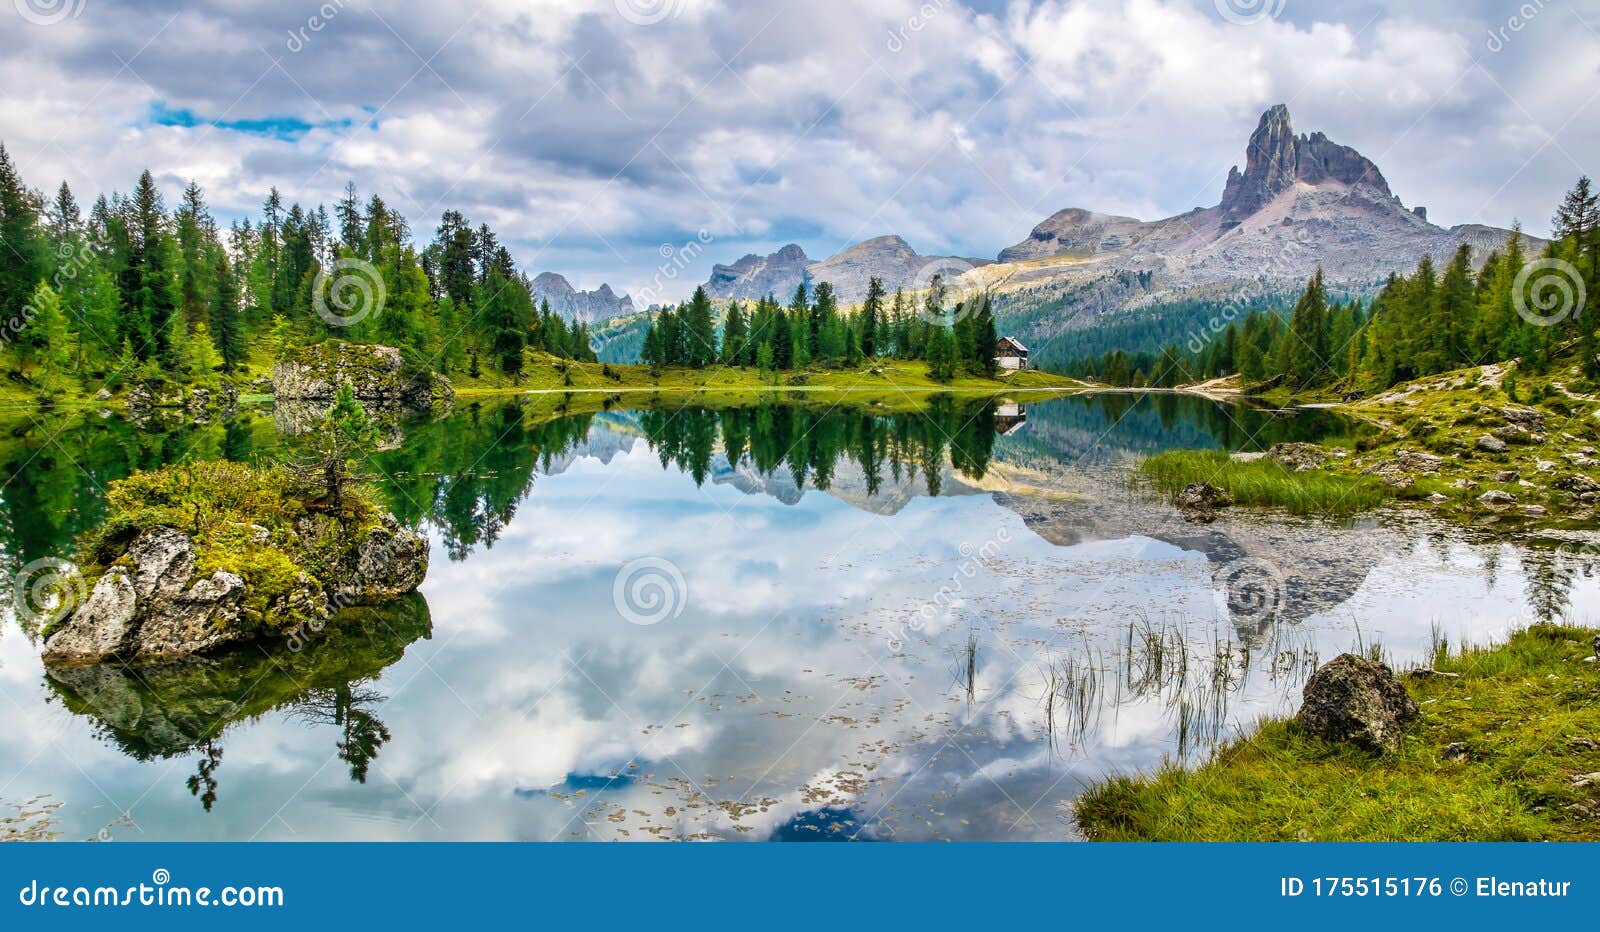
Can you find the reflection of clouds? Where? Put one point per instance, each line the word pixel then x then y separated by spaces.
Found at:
pixel 775 689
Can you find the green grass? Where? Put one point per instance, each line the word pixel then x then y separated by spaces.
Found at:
pixel 544 373
pixel 1526 712
pixel 1264 482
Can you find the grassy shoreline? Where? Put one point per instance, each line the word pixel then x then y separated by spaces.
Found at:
pixel 1264 483
pixel 1504 738
pixel 1469 445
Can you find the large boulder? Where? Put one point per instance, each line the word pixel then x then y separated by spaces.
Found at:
pixel 196 558
pixel 1356 700
pixel 376 375
pixel 151 607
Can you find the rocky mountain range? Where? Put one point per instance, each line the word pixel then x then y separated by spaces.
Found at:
pixel 1300 202
pixel 888 258
pixel 587 306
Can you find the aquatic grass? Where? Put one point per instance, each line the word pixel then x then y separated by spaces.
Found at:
pixel 1264 482
pixel 1492 758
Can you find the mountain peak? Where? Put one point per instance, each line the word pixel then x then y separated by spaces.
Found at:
pixel 1276 159
pixel 587 306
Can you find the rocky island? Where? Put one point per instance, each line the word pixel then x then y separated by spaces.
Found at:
pixel 199 557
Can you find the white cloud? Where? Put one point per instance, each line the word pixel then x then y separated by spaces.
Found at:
pixel 589 140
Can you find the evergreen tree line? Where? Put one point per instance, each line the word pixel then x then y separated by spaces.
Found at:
pixel 1517 306
pixel 132 289
pixel 812 330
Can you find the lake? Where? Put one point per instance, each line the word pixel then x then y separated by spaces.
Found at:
pixel 799 621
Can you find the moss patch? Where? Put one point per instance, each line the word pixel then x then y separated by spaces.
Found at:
pixel 243 520
pixel 1492 758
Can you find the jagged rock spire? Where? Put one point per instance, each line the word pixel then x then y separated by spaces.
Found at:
pixel 1276 159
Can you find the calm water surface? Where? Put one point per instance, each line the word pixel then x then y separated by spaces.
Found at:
pixel 775 623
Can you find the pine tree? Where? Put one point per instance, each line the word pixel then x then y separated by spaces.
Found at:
pixel 1306 350
pixel 782 341
pixel 225 316
pixel 154 303
pixel 871 317
pixel 986 339
pixel 700 334
pixel 941 354
pixel 22 250
pixel 735 332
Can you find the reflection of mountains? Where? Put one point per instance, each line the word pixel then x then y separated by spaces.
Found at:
pixel 848 484
pixel 1266 569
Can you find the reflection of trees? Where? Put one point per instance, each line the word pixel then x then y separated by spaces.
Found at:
pixel 1548 573
pixel 204 784
pixel 468 473
pixel 1095 425
pixel 346 707
pixel 169 710
pixel 812 443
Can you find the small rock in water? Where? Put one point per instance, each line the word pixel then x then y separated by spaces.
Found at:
pixel 1202 499
pixel 1356 700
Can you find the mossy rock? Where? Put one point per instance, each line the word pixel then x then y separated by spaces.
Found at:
pixel 196 557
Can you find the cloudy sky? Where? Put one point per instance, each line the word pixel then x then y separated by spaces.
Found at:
pixel 593 134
